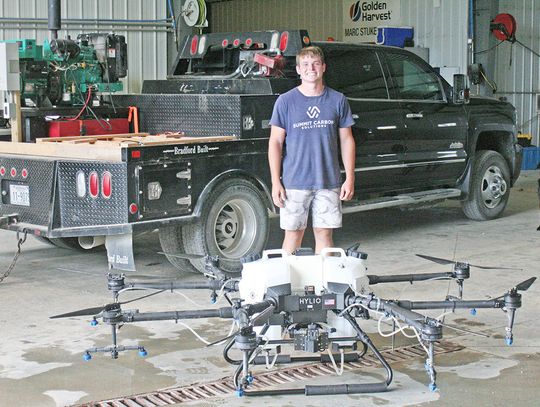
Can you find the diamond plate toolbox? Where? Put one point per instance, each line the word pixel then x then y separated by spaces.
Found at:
pixel 87 210
pixel 27 189
pixel 195 115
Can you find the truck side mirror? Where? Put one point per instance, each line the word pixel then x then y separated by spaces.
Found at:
pixel 461 91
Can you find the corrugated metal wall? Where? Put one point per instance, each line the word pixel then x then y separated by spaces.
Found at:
pixel 440 25
pixel 322 18
pixel 517 70
pixel 147 50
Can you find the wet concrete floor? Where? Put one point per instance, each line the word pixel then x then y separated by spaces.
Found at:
pixel 41 360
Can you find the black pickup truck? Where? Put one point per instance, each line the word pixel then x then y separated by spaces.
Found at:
pixel 418 140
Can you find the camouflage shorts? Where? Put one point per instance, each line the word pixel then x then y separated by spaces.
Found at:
pixel 324 204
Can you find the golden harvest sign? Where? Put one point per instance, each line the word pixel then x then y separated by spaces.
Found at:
pixel 362 17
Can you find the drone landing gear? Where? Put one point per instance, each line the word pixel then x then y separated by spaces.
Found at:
pixel 249 348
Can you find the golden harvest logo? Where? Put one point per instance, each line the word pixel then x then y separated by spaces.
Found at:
pixel 369 11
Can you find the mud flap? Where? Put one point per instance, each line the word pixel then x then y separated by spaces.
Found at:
pixel 120 252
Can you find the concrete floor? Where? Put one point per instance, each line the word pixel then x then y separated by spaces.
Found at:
pixel 41 363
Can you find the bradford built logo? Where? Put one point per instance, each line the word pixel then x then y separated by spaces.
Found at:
pixel 370 11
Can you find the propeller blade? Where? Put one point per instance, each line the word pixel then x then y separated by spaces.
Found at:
pixel 97 310
pixel 525 285
pixel 446 261
pixel 141 297
pixel 80 313
pixel 435 259
pixel 464 330
pixel 495 268
pixel 264 315
pixel 187 256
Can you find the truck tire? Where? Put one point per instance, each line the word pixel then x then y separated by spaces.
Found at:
pixel 490 187
pixel 170 239
pixel 233 224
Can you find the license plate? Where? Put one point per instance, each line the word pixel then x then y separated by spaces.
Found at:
pixel 19 195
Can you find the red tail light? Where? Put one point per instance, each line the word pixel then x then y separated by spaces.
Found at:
pixel 106 184
pixel 248 42
pixel 24 173
pixel 133 208
pixel 13 172
pixel 2 171
pixel 236 42
pixel 283 41
pixel 93 184
pixel 194 45
pixel 224 43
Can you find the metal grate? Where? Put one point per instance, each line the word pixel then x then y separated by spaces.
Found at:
pixel 224 386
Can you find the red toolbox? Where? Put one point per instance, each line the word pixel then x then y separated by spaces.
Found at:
pixel 62 128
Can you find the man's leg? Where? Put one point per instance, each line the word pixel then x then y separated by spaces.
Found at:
pixel 293 240
pixel 323 238
pixel 293 218
pixel 326 213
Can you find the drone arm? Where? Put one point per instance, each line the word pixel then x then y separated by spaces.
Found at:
pixel 424 305
pixel 135 316
pixel 396 278
pixel 187 285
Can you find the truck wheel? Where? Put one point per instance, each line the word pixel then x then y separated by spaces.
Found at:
pixel 170 239
pixel 490 187
pixel 233 224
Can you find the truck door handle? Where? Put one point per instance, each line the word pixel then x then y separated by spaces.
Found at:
pixel 414 115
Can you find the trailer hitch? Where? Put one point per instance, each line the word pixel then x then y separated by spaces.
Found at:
pixel 7 220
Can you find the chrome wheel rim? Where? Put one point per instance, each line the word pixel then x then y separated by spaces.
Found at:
pixel 235 228
pixel 493 187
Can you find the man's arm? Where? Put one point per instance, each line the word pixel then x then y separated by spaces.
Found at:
pixel 348 156
pixel 275 151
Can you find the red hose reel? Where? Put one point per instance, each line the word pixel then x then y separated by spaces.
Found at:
pixel 504 27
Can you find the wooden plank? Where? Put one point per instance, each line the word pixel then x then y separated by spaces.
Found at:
pixel 59 150
pixel 133 139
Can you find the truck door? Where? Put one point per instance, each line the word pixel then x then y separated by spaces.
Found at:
pixel 358 74
pixel 435 128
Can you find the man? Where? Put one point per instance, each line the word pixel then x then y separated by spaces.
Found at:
pixel 306 124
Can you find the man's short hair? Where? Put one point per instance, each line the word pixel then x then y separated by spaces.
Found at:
pixel 312 51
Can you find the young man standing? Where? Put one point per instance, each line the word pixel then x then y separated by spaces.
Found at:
pixel 306 124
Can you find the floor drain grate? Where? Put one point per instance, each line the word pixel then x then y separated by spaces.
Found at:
pixel 224 387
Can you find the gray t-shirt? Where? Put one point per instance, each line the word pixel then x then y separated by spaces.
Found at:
pixel 310 154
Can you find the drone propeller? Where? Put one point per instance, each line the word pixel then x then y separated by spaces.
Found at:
pixel 438 260
pixel 525 285
pixel 99 310
pixel 265 314
pixel 186 256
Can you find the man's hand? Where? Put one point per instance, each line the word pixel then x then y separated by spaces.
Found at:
pixel 278 195
pixel 347 190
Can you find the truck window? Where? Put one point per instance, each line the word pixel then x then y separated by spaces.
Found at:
pixel 356 73
pixel 414 81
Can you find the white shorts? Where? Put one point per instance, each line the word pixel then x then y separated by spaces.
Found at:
pixel 325 208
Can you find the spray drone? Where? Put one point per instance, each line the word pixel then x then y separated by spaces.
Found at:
pixel 314 303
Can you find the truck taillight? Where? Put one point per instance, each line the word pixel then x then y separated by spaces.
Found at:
pixel 202 44
pixel 133 208
pixel 2 171
pixel 93 184
pixel 274 41
pixel 248 42
pixel 283 41
pixel 224 43
pixel 194 44
pixel 24 173
pixel 236 42
pixel 13 172
pixel 106 184
pixel 81 184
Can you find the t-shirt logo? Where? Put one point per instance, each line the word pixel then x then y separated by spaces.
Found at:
pixel 313 112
